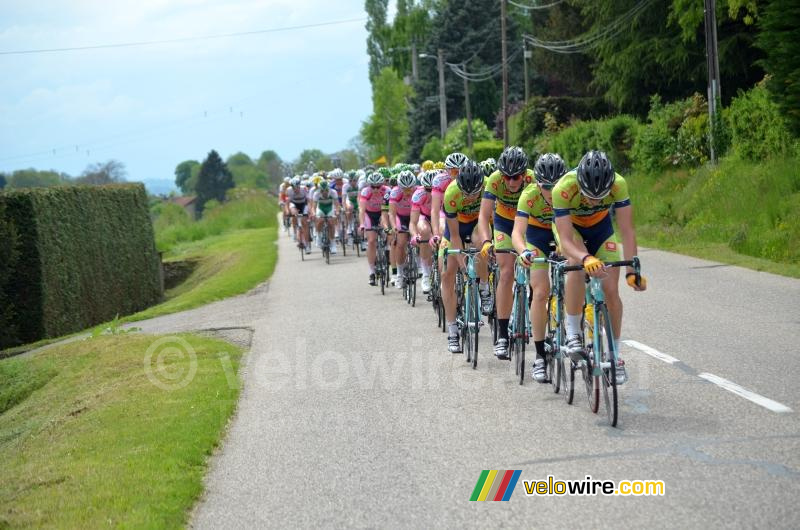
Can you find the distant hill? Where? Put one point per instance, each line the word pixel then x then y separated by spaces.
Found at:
pixel 160 186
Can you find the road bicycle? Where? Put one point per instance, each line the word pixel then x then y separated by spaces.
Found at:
pixel 599 364
pixel 381 258
pixel 411 272
pixel 469 315
pixel 435 295
pixel 325 241
pixel 343 231
pixel 493 277
pixel 557 371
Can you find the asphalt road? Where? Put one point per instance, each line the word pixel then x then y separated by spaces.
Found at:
pixel 354 414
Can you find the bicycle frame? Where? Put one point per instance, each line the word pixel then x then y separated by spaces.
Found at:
pixel 470 321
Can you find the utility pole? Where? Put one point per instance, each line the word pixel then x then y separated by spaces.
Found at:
pixel 505 70
pixel 469 113
pixel 712 60
pixel 526 56
pixel 414 74
pixel 442 100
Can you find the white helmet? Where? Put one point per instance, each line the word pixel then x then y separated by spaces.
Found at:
pixel 375 179
pixel 336 174
pixel 406 179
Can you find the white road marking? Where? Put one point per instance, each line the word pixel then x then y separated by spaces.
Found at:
pixel 730 386
pixel 644 348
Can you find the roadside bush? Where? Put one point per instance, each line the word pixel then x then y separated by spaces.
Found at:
pixel 87 254
pixel 455 139
pixel 758 129
pixel 433 149
pixel 676 134
pixel 530 122
pixel 616 136
pixel 488 149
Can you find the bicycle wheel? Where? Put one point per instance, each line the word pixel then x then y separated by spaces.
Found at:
pixel 609 378
pixel 591 381
pixel 475 323
pixel 566 367
pixel 520 332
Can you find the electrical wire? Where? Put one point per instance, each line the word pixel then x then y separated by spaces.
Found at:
pixel 527 7
pixel 591 39
pixel 181 39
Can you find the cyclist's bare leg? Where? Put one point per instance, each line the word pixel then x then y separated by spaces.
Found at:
pixel 613 301
pixel 448 288
pixel 425 251
pixel 505 297
pixel 540 283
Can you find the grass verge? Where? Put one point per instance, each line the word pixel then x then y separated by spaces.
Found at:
pixel 737 212
pixel 88 440
pixel 229 264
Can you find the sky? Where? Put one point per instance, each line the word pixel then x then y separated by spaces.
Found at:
pixel 153 106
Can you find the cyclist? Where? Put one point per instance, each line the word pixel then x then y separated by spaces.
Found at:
pixel 440 184
pixel 283 204
pixel 370 202
pixel 581 202
pixel 297 195
pixel 326 202
pixel 400 218
pixel 421 224
pixel 391 178
pixel 500 198
pixel 350 198
pixel 533 234
pixel 462 202
pixel 489 166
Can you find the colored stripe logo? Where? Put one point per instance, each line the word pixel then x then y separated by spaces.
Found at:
pixel 494 485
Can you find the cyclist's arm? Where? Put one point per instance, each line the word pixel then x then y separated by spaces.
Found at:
pixel 392 215
pixel 484 229
pixel 362 212
pixel 627 232
pixel 518 235
pixel 436 208
pixel 571 248
pixel 455 236
pixel 412 224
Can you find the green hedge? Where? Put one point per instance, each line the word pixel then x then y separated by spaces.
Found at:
pixel 488 149
pixel 86 254
pixel 530 122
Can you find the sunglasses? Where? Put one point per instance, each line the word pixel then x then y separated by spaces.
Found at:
pixel 428 188
pixel 512 178
pixel 376 186
pixel 547 187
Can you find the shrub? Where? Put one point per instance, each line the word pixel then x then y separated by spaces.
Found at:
pixel 758 129
pixel 455 139
pixel 488 149
pixel 676 134
pixel 87 253
pixel 616 136
pixel 433 149
pixel 530 122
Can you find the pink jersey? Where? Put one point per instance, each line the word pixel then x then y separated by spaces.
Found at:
pixel 440 183
pixel 372 199
pixel 401 201
pixel 421 201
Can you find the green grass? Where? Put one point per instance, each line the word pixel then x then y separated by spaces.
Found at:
pixel 230 264
pixel 89 441
pixel 738 212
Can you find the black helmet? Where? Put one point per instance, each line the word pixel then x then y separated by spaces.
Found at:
pixel 595 175
pixel 549 168
pixel 513 161
pixel 470 177
pixel 455 160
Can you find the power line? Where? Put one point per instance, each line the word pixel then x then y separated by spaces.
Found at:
pixel 482 75
pixel 590 40
pixel 527 7
pixel 181 39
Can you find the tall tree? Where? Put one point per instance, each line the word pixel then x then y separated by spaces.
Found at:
pixel 662 49
pixel 31 178
pixel 387 129
pixel 2 181
pixel 780 40
pixel 271 163
pixel 377 35
pixel 186 175
pixel 213 180
pixel 108 172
